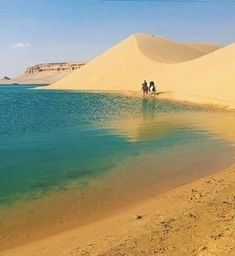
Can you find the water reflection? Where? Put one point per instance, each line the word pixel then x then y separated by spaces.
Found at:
pixel 152 123
pixel 149 108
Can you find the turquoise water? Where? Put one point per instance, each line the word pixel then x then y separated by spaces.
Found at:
pixel 50 139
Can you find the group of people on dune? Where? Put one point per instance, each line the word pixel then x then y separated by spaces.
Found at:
pixel 151 89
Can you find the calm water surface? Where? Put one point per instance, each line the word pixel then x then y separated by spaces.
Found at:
pixel 49 139
pixel 68 158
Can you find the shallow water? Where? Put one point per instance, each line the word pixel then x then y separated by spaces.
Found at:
pixel 87 151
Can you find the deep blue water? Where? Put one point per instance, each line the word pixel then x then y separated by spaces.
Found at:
pixel 49 139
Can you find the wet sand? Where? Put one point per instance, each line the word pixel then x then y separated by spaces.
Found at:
pixel 194 219
pixel 118 192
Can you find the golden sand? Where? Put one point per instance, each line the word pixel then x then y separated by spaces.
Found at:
pixel 201 73
pixel 195 219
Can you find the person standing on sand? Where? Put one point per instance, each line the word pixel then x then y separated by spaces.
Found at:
pixel 152 88
pixel 145 88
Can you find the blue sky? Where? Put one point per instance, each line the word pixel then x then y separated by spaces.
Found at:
pixel 34 32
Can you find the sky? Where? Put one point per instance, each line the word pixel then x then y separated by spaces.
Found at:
pixel 33 32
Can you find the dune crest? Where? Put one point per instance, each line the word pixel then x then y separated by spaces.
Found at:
pixel 197 73
pixel 166 51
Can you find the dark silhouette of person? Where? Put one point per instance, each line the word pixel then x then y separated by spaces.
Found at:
pixel 145 88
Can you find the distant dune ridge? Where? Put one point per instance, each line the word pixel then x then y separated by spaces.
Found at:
pixel 201 73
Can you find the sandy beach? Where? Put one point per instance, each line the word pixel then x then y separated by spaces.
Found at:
pixel 195 219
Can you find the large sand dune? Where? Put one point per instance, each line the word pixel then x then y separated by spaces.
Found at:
pixel 200 73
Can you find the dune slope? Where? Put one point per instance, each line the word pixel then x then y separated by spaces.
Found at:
pixel 205 47
pixel 184 71
pixel 166 51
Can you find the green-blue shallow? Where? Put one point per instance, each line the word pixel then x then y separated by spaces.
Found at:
pixel 49 139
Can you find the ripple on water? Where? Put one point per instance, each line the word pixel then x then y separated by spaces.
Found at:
pixel 50 139
pixel 68 158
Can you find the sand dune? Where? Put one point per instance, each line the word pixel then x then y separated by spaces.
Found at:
pixel 205 47
pixel 184 71
pixel 165 51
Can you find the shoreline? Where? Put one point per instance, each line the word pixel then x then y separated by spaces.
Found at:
pixel 156 225
pixel 179 70
pixel 124 211
pixel 74 207
pixel 167 96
